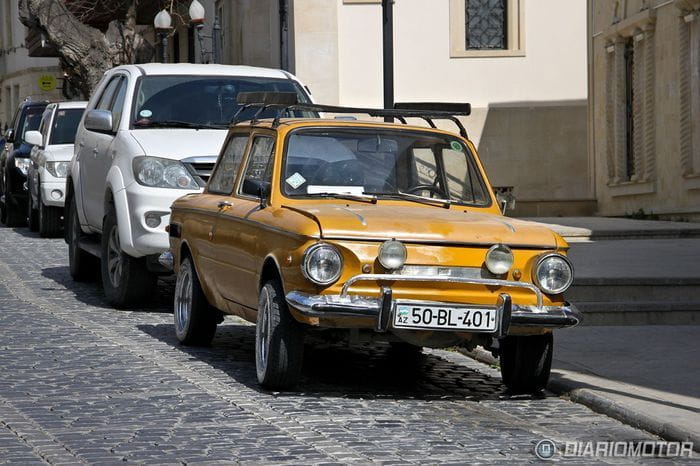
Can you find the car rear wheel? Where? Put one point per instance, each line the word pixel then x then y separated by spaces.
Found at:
pixel 14 217
pixel 279 340
pixel 526 362
pixel 32 214
pixel 83 266
pixel 49 219
pixel 125 279
pixel 195 320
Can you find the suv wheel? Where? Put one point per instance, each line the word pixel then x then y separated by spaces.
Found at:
pixel 82 265
pixel 195 321
pixel 279 340
pixel 125 279
pixel 13 216
pixel 526 362
pixel 49 219
pixel 32 214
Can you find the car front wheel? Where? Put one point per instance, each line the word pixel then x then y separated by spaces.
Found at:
pixel 49 219
pixel 83 266
pixel 526 362
pixel 195 320
pixel 125 279
pixel 279 340
pixel 32 214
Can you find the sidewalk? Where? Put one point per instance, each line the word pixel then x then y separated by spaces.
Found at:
pixel 575 229
pixel 644 376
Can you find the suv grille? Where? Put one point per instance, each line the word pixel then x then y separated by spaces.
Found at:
pixel 200 168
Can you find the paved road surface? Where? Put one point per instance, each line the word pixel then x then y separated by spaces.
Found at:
pixel 80 382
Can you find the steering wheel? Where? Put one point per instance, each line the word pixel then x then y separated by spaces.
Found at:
pixel 427 187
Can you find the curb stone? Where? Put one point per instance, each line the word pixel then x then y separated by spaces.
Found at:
pixel 601 404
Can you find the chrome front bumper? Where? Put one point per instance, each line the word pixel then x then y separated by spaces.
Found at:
pixel 382 308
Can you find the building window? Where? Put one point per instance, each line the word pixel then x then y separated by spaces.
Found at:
pixel 486 28
pixel 486 25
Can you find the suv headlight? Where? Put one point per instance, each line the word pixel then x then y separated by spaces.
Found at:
pixel 322 264
pixel 23 164
pixel 57 169
pixel 162 173
pixel 553 273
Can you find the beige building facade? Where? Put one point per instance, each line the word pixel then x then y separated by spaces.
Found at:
pixel 525 77
pixel 21 75
pixel 644 116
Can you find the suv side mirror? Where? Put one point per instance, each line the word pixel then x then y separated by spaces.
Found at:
pixel 10 135
pixel 99 121
pixel 34 138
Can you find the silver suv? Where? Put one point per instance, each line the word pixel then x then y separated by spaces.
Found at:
pixel 150 134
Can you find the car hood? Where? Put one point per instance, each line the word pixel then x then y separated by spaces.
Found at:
pixel 177 144
pixel 59 153
pixel 424 224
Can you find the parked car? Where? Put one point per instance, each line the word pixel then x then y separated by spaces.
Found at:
pixel 50 157
pixel 14 163
pixel 150 134
pixel 366 231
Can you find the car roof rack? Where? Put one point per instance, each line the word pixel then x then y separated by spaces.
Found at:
pixel 285 102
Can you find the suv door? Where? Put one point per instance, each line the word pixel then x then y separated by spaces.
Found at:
pixel 95 153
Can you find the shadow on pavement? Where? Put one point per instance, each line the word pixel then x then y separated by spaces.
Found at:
pixel 91 293
pixel 363 371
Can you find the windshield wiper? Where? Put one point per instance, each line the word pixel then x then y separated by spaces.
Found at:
pixel 349 197
pixel 178 124
pixel 446 203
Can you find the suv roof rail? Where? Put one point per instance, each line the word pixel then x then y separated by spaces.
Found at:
pixel 427 111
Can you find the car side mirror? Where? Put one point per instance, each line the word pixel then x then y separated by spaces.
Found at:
pixel 259 189
pixel 505 198
pixel 10 135
pixel 34 138
pixel 99 121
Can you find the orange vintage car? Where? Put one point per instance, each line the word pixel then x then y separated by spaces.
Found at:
pixel 366 230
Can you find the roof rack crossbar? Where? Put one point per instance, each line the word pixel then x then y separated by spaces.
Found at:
pixel 400 114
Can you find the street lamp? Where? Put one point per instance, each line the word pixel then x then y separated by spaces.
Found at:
pixel 197 13
pixel 163 24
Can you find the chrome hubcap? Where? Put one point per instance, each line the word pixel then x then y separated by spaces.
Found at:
pixel 115 261
pixel 183 299
pixel 263 329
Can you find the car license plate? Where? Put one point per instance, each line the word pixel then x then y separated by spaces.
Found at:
pixel 444 317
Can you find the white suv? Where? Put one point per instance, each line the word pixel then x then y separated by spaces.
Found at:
pixel 50 157
pixel 150 134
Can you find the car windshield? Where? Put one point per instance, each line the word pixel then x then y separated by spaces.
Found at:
pixel 32 119
pixel 411 165
pixel 65 124
pixel 191 101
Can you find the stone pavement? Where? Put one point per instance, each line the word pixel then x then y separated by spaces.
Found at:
pixel 84 383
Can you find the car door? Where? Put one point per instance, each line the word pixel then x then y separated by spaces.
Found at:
pixel 238 228
pixel 217 198
pixel 95 152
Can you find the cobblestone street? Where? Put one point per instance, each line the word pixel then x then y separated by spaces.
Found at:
pixel 84 383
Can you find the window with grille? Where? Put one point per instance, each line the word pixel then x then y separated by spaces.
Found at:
pixel 486 24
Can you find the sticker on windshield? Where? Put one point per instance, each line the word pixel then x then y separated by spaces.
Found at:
pixel 296 180
pixel 145 113
pixel 456 146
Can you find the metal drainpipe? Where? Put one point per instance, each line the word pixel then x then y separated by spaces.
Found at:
pixel 284 34
pixel 388 50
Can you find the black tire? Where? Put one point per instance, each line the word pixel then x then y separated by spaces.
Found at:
pixel 125 279
pixel 82 265
pixel 32 214
pixel 195 321
pixel 49 219
pixel 279 340
pixel 3 209
pixel 526 362
pixel 14 217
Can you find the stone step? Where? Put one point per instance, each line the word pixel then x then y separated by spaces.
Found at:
pixel 634 290
pixel 640 313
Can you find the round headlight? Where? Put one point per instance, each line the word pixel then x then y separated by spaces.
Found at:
pixel 322 264
pixel 499 259
pixel 151 172
pixel 554 274
pixel 392 254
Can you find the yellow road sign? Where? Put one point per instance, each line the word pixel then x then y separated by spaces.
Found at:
pixel 47 82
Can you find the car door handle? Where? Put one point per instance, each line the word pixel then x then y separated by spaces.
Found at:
pixel 224 204
pixel 95 152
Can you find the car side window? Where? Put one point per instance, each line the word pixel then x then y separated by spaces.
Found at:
pixel 44 125
pixel 105 99
pixel 118 104
pixel 223 178
pixel 258 170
